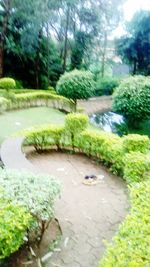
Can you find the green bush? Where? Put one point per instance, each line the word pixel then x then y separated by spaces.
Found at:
pixel 136 142
pixel 7 83
pixel 132 98
pixel 137 167
pixel 36 193
pixel 75 123
pixel 76 85
pixel 44 137
pixel 14 223
pixel 130 246
pixel 106 86
pixel 51 90
pixel 4 103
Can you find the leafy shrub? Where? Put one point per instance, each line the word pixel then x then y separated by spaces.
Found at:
pixel 14 223
pixel 106 86
pixel 43 137
pixel 136 142
pixel 7 83
pixel 137 166
pixel 36 193
pixel 131 245
pixel 75 123
pixel 51 90
pixel 76 85
pixel 132 98
pixel 4 103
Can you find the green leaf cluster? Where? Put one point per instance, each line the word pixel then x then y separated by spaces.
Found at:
pixel 136 142
pixel 132 98
pixel 137 167
pixel 14 223
pixel 130 246
pixel 7 83
pixel 106 86
pixel 76 85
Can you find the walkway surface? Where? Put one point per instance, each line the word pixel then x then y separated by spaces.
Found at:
pixel 88 215
pixel 97 104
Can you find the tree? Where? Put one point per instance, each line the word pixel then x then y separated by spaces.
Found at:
pixel 76 85
pixel 134 47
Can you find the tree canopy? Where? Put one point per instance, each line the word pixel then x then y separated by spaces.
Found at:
pixel 134 47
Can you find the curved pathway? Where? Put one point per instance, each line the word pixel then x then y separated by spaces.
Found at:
pixel 96 104
pixel 88 215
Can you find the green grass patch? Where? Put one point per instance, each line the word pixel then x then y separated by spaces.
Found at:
pixel 14 121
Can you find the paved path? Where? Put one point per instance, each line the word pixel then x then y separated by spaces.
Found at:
pixel 97 104
pixel 87 214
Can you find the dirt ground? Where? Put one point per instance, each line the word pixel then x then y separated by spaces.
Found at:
pixel 88 214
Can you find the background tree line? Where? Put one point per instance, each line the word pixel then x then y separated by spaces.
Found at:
pixel 40 40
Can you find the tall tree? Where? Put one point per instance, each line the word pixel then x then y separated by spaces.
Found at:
pixel 134 47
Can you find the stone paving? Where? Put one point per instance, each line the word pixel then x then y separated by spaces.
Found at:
pixel 88 215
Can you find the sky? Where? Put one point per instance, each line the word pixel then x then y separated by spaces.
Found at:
pixel 130 7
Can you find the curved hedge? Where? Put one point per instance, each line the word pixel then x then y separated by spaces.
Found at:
pixel 118 153
pixel 130 247
pixel 33 99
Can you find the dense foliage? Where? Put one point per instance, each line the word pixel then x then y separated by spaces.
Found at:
pixel 14 223
pixel 36 193
pixel 42 40
pixel 76 85
pixel 134 47
pixel 132 98
pixel 106 86
pixel 7 83
pixel 136 142
pixel 131 245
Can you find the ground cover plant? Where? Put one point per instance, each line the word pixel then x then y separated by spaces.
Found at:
pixel 25 213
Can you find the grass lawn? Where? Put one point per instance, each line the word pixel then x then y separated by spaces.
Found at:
pixel 14 121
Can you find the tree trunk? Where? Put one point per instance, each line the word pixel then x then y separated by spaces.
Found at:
pixel 3 34
pixel 104 54
pixel 66 38
pixel 37 61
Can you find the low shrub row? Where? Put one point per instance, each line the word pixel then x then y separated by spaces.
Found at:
pixel 26 208
pixel 126 156
pixel 32 98
pixel 4 104
pixel 130 247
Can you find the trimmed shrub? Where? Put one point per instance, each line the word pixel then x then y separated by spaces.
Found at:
pixel 76 85
pixel 132 98
pixel 106 86
pixel 137 166
pixel 131 245
pixel 75 123
pixel 36 193
pixel 51 90
pixel 136 142
pixel 44 137
pixel 14 223
pixel 7 83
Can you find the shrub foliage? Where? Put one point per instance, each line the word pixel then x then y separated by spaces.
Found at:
pixel 132 98
pixel 131 245
pixel 7 83
pixel 76 85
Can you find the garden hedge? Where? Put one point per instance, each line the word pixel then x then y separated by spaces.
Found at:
pixel 7 83
pixel 30 98
pixel 130 247
pixel 118 153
